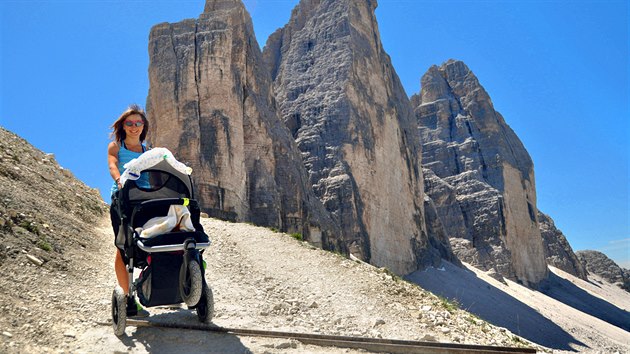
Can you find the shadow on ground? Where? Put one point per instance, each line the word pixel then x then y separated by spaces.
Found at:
pixel 571 295
pixel 178 341
pixel 493 305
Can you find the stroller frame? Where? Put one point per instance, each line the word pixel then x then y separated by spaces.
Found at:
pixel 135 204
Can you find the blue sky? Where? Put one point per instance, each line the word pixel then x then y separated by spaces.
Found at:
pixel 557 70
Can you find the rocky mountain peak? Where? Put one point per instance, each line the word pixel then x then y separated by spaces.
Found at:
pixel 210 101
pixel 598 263
pixel 342 101
pixel 222 5
pixel 348 144
pixel 435 84
pixel 557 249
pixel 461 79
pixel 491 177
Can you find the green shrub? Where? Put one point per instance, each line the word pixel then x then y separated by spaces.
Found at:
pixel 44 244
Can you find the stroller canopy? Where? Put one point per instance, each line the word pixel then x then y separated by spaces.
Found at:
pixel 156 174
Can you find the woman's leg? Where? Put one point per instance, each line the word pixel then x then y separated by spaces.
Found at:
pixel 121 272
pixel 119 265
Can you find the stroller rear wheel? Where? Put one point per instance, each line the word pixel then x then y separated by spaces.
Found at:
pixel 119 311
pixel 205 307
pixel 190 284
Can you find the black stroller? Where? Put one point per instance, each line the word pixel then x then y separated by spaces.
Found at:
pixel 172 266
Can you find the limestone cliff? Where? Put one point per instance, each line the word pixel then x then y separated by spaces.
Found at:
pixel 345 106
pixel 557 249
pixel 488 193
pixel 210 101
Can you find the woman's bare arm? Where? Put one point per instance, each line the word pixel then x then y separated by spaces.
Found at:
pixel 112 160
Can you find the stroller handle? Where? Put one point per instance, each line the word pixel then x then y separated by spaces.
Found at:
pixel 169 201
pixel 169 248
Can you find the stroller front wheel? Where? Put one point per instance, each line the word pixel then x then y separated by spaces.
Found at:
pixel 205 307
pixel 190 284
pixel 119 311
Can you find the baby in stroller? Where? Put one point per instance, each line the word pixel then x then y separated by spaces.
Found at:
pixel 160 234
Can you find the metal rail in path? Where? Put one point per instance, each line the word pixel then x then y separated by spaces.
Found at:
pixel 370 344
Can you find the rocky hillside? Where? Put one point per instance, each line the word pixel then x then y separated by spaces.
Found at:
pixel 487 196
pixel 47 237
pixel 598 263
pixel 44 209
pixel 210 100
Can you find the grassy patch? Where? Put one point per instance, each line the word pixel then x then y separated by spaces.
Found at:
pixel 450 306
pixel 31 227
pixel 472 319
pixel 44 244
pixel 298 236
pixel 517 339
pixel 338 254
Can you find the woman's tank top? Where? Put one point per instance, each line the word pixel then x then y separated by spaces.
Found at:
pixel 125 156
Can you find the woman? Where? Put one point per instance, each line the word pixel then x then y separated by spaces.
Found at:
pixel 129 132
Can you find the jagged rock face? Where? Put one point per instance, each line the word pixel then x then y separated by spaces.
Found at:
pixel 598 263
pixel 557 249
pixel 469 209
pixel 210 102
pixel 469 145
pixel 439 241
pixel 344 105
pixel 447 208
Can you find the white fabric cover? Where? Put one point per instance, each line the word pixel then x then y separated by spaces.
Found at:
pixel 150 158
pixel 178 218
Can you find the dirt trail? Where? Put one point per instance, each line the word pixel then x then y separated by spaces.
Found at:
pixel 261 279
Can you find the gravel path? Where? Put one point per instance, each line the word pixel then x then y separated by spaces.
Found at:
pixel 261 280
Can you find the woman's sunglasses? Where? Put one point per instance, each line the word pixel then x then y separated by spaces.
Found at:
pixel 137 123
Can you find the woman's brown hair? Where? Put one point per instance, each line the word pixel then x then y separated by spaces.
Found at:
pixel 118 133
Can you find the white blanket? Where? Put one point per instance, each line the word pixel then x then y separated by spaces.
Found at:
pixel 178 219
pixel 134 168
